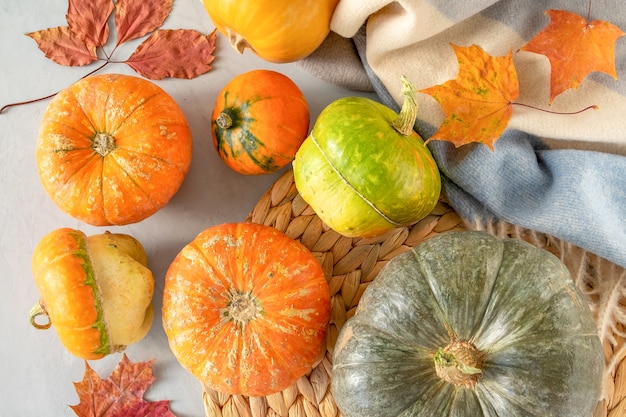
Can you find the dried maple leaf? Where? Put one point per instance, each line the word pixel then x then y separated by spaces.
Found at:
pixel 478 103
pixel 88 20
pixel 62 46
pixel 134 19
pixel 179 53
pixel 575 48
pixel 121 395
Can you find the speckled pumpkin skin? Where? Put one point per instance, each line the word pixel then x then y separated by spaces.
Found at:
pixel 113 149
pixel 246 308
pixel 516 303
pixel 361 176
pixel 268 120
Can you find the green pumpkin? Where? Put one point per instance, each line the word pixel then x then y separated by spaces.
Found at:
pixel 363 169
pixel 469 325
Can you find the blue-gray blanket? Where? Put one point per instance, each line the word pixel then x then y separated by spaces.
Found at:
pixel 560 175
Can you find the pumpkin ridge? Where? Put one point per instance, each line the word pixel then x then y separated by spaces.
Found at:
pixel 345 181
pixel 91 281
pixel 510 398
pixel 424 275
pixel 116 160
pixel 269 347
pixel 225 281
pixel 85 115
pixel 112 159
pixel 86 165
pixel 154 157
pixel 113 131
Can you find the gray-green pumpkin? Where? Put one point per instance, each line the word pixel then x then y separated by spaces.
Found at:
pixel 469 325
pixel 364 170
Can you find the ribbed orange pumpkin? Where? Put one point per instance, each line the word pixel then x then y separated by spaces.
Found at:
pixel 113 149
pixel 276 30
pixel 96 291
pixel 259 121
pixel 246 308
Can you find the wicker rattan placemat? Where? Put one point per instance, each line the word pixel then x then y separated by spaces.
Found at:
pixel 351 264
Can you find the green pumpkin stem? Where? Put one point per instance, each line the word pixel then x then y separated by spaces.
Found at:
pixel 408 114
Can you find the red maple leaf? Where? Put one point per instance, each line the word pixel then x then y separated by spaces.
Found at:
pixel 575 48
pixel 120 395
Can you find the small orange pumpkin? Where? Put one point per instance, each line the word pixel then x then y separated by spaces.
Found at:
pixel 113 149
pixel 246 308
pixel 96 291
pixel 259 121
pixel 276 30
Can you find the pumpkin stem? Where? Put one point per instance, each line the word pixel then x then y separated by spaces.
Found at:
pixel 241 308
pixel 237 41
pixel 103 143
pixel 39 310
pixel 408 114
pixel 459 363
pixel 224 121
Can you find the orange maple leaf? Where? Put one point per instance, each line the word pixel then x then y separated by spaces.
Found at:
pixel 575 48
pixel 120 395
pixel 478 103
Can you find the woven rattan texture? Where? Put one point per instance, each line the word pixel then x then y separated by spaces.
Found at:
pixel 350 264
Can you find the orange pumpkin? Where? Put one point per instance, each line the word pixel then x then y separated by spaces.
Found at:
pixel 95 291
pixel 245 309
pixel 276 30
pixel 259 121
pixel 113 149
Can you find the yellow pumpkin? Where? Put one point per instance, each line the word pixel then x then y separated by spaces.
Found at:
pixel 276 30
pixel 96 291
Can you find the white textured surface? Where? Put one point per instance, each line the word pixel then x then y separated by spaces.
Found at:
pixel 36 373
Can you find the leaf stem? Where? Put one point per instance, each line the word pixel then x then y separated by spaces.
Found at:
pixel 594 107
pixel 6 106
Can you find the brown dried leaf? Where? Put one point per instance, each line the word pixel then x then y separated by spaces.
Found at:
pixel 120 395
pixel 88 20
pixel 136 18
pixel 62 46
pixel 178 53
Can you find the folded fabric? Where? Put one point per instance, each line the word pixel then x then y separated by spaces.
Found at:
pixel 563 175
